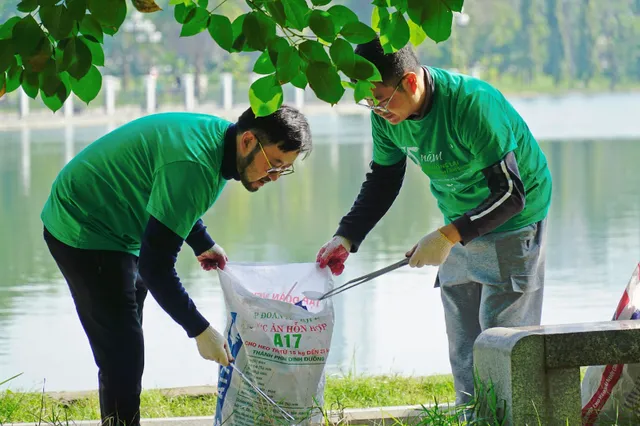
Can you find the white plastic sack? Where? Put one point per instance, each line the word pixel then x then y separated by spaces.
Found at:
pixel 282 347
pixel 612 392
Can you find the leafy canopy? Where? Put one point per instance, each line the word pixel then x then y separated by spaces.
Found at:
pixel 55 47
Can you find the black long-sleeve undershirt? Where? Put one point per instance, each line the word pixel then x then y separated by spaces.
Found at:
pixel 382 186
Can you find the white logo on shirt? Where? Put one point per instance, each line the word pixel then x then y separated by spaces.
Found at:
pixel 413 153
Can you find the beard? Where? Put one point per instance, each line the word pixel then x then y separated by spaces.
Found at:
pixel 242 164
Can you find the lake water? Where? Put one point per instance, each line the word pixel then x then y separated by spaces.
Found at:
pixel 391 325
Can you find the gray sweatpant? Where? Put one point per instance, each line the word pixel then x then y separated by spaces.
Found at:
pixel 496 280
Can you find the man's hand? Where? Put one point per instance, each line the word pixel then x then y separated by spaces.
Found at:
pixel 333 254
pixel 213 347
pixel 432 249
pixel 213 258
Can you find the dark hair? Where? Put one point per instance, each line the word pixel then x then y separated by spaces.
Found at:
pixel 392 66
pixel 287 127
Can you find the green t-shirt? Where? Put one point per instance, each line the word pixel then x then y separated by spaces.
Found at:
pixel 470 127
pixel 167 165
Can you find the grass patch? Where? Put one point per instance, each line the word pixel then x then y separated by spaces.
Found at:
pixel 345 392
pixel 381 391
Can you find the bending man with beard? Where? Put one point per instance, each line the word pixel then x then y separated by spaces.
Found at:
pixel 120 211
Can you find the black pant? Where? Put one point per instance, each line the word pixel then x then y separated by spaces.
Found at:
pixel 109 298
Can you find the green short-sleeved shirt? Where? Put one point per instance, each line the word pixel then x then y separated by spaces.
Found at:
pixel 470 127
pixel 167 165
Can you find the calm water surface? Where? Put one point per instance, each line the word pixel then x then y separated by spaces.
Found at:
pixel 393 324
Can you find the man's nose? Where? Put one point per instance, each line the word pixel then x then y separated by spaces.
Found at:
pixel 274 176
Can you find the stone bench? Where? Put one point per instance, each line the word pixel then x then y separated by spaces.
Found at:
pixel 536 370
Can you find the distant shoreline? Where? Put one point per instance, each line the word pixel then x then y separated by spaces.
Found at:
pixel 40 118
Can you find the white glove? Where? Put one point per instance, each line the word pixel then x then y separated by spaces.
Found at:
pixel 213 258
pixel 432 249
pixel 213 347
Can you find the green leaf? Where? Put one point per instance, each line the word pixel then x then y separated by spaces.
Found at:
pixel 320 2
pixel 297 13
pixel 57 20
pixel 27 6
pixel 6 54
pixel 358 33
pixel 348 85
pixel 89 26
pixel 258 29
pixel 111 14
pixel 49 80
pixel 27 35
pixel 6 29
pixel 36 61
pixel 342 15
pixel 417 34
pixel 435 17
pixel 363 70
pixel 76 9
pixel 31 84
pixel 221 31
pixel 400 5
pixel 437 25
pixel 395 33
pixel 88 87
pixel 342 54
pixel 455 5
pixel 59 57
pixel 362 90
pixel 265 96
pixel 325 82
pixel 196 24
pixel 55 102
pixel 97 54
pixel 239 38
pixel 300 81
pixel 276 10
pixel 312 51
pixel 68 55
pixel 377 16
pixel 263 64
pixel 14 77
pixel 321 23
pixel 276 46
pixel 417 11
pixel 288 65
pixel 82 61
pixel 182 11
pixel 382 3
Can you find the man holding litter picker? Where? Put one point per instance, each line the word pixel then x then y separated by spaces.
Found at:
pixel 491 182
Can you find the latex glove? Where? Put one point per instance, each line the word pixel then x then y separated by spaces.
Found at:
pixel 213 347
pixel 432 249
pixel 213 258
pixel 333 254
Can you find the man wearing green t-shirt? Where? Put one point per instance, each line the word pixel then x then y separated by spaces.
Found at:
pixel 491 183
pixel 120 211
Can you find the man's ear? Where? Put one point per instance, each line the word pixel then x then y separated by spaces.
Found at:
pixel 247 140
pixel 410 82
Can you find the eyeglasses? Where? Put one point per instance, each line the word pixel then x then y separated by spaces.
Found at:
pixel 383 109
pixel 282 171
